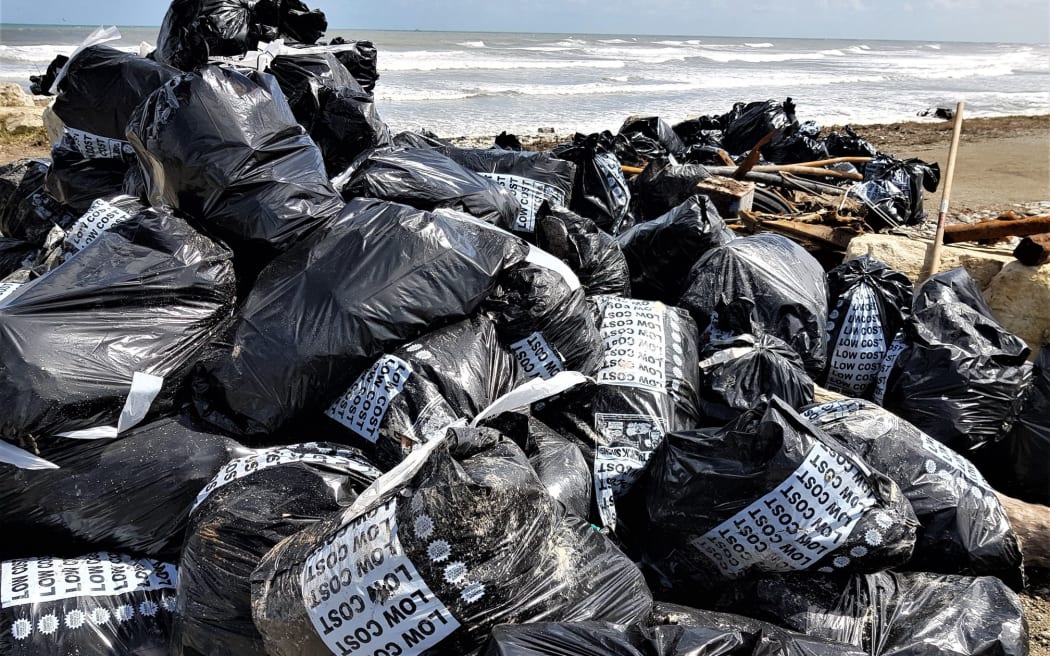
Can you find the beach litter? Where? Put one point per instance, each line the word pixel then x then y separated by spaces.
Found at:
pixel 278 380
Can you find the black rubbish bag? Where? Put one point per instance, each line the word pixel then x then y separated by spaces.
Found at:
pixel 118 324
pixel 651 137
pixel 895 188
pixel 532 177
pixel 768 492
pixel 460 538
pixel 661 252
pixel 738 371
pixel 226 150
pixel 1017 465
pixel 961 377
pixel 359 57
pixel 800 143
pixel 252 504
pixel 426 179
pixel 40 85
pixel 593 254
pixel 15 254
pixel 895 613
pixel 411 395
pixel 328 102
pixel 599 191
pixel 131 494
pixel 193 30
pixel 98 604
pixel 101 215
pixel 645 387
pixel 746 125
pixel 543 316
pixel 85 167
pixel 868 304
pixel 963 526
pixel 849 145
pixel 663 186
pixel 27 211
pixel 786 286
pixel 102 86
pixel 378 276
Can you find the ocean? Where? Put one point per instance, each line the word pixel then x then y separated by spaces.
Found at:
pixel 459 83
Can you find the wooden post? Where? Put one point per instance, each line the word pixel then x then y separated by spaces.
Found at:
pixel 933 253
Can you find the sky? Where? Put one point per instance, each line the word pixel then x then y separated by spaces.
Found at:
pixel 934 20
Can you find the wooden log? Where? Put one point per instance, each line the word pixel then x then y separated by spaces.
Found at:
pixel 1031 522
pixel 787 168
pixel 836 160
pixel 1034 250
pixel 997 229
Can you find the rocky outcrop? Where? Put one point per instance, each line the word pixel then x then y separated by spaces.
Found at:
pixel 1020 297
pixel 908 255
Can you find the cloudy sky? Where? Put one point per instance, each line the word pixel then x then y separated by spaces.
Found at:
pixel 935 20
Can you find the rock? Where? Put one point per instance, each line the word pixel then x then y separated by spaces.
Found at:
pixel 1020 295
pixel 53 124
pixel 908 255
pixel 11 95
pixel 18 120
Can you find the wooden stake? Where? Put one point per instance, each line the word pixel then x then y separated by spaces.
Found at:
pixel 933 252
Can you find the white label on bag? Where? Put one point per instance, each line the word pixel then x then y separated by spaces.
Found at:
pixel 955 461
pixel 620 194
pixel 537 357
pixel 886 368
pixel 103 574
pixel 92 146
pixel 266 458
pixel 101 216
pixel 530 195
pixel 144 389
pixel 364 596
pixel 617 465
pixel 634 339
pixel 856 358
pixel 365 404
pixel 802 520
pixel 7 289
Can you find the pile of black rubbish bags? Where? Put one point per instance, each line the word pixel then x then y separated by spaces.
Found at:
pixel 274 380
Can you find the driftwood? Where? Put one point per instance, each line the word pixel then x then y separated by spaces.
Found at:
pixel 1034 250
pixel 806 228
pixel 796 169
pixel 997 229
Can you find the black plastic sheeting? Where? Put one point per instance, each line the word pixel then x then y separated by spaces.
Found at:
pixel 895 188
pixel 962 376
pixel 786 286
pixel 661 252
pixel 411 395
pixel 359 57
pixel 869 303
pixel 13 255
pixel 131 494
pixel 98 604
pixel 328 102
pixel 146 296
pixel 600 192
pixel 380 275
pixel 746 125
pixel 768 492
pixel 896 613
pixel 253 503
pixel 225 149
pixel 193 30
pixel 102 86
pixel 662 186
pixel 593 254
pixel 651 137
pixel 27 211
pixel 1017 465
pixel 532 177
pixel 963 526
pixel 473 540
pixel 428 180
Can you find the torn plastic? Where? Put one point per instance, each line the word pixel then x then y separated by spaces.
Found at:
pixel 895 188
pixel 426 179
pixel 963 526
pixel 592 254
pixel 599 192
pixel 248 175
pixel 411 395
pixel 98 604
pixel 661 252
pixel 768 492
pixel 785 284
pixel 141 487
pixel 895 613
pixel 145 297
pixel 27 211
pixel 252 504
pixel 469 539
pixel 869 302
pixel 378 276
pixel 962 376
